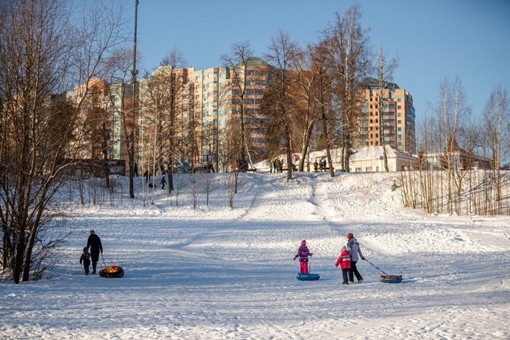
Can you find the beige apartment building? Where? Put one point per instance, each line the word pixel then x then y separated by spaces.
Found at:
pixel 187 116
pixel 388 117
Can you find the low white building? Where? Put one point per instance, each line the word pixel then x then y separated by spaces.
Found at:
pixel 367 159
pixel 371 159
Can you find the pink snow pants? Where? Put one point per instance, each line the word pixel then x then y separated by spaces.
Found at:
pixel 304 267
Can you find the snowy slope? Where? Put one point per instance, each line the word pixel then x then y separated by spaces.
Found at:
pixel 221 273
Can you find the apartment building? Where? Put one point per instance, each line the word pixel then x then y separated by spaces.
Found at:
pixel 388 117
pixel 187 115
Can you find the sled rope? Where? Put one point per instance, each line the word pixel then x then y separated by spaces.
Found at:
pixel 376 267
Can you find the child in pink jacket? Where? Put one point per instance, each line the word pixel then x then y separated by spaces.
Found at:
pixel 303 253
pixel 345 263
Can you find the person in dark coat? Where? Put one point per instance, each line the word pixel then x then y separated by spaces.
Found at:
pixel 94 242
pixel 163 182
pixel 85 260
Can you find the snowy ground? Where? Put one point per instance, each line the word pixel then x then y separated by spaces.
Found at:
pixel 220 273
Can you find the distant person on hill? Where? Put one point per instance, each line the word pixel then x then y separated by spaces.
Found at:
pixel 344 260
pixel 355 251
pixel 277 165
pixel 94 242
pixel 136 170
pixel 303 253
pixel 85 260
pixel 163 182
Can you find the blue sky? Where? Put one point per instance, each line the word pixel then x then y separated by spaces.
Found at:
pixel 433 39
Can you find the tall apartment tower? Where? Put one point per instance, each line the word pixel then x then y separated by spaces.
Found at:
pixel 206 96
pixel 388 117
pixel 205 106
pixel 218 97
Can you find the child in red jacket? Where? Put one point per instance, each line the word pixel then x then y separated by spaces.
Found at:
pixel 303 253
pixel 344 260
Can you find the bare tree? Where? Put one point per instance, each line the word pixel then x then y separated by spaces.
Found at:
pixel 97 130
pixel 323 99
pixel 385 69
pixel 347 45
pixel 163 108
pixel 450 112
pixel 122 98
pixel 236 101
pixel 41 54
pixel 497 124
pixel 303 90
pixel 281 53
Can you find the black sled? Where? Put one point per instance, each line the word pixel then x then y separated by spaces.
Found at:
pixel 386 278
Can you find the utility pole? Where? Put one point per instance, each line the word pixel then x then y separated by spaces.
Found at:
pixel 133 136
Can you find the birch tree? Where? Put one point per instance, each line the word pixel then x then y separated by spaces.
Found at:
pixel 235 95
pixel 450 111
pixel 281 53
pixel 497 124
pixel 385 69
pixel 349 64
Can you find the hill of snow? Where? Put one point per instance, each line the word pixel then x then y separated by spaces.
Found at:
pixel 217 272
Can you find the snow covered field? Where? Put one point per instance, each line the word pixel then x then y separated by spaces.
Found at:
pixel 221 273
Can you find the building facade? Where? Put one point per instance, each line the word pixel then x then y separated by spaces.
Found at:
pixel 388 117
